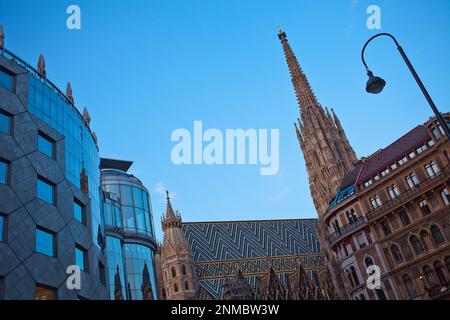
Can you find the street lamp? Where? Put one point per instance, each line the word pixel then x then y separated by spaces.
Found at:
pixel 376 84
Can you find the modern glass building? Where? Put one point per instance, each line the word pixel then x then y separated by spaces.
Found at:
pixel 50 196
pixel 130 235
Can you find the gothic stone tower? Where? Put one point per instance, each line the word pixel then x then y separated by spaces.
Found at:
pixel 327 152
pixel 177 261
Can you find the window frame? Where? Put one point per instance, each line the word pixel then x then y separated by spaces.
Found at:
pixel 7 171
pixel 83 211
pixel 84 252
pixel 13 79
pixel 52 234
pixel 49 183
pixel 47 138
pixel 10 122
pixel 3 228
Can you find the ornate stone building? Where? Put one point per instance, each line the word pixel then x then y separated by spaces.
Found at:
pixel 393 211
pixel 325 147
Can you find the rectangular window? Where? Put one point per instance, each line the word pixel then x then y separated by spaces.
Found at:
pixel 393 166
pixel 430 143
pixel 424 207
pixel 368 183
pixel 44 293
pixel 45 242
pixel 384 172
pixel 5 123
pixel 102 273
pixel 412 181
pixel 2 228
pixel 405 218
pixel 3 172
pixel 81 258
pixel 403 160
pixel 6 80
pixel 78 211
pixel 46 146
pixel 445 196
pixel 386 227
pixel 436 133
pixel 412 155
pixel 361 241
pixel 375 201
pixel 421 149
pixel 45 191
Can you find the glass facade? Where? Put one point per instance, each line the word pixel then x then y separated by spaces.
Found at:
pixel 46 146
pixel 81 150
pixel 136 256
pixel 5 123
pixel 44 242
pixel 132 210
pixel 3 172
pixel 6 80
pixel 45 191
pixel 127 213
pixel 114 256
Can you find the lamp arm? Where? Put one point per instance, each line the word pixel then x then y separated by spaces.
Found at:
pixel 376 36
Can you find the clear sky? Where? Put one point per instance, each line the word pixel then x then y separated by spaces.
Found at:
pixel 145 68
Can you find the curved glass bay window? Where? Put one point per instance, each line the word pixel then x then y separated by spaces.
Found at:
pixel 81 148
pixel 129 229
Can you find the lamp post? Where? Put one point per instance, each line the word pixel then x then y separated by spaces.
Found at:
pixel 376 84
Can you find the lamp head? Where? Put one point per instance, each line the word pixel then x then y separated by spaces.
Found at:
pixel 375 84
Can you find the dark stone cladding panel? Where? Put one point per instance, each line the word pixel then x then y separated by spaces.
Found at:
pixel 21 268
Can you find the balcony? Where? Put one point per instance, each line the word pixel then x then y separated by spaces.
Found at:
pixel 346 230
pixel 439 291
pixel 409 195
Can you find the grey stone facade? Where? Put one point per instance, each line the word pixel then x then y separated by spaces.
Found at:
pixel 21 268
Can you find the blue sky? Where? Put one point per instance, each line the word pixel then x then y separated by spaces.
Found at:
pixel 146 68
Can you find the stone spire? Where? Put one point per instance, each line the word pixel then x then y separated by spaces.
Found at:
pixel 177 260
pixel 86 116
pixel 2 37
pixel 69 93
pixel 328 155
pixel 41 66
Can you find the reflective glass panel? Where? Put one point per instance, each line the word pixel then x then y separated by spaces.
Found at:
pixel 45 146
pixel 80 258
pixel 140 219
pixel 137 195
pixel 128 217
pixel 78 212
pixel 45 191
pixel 126 196
pixel 3 172
pixel 44 242
pixel 6 80
pixel 114 259
pixel 5 123
pixel 2 222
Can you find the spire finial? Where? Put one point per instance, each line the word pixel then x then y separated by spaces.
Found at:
pixel 41 66
pixel 69 93
pixel 2 37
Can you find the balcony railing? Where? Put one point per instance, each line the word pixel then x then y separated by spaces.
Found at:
pixel 410 194
pixel 347 229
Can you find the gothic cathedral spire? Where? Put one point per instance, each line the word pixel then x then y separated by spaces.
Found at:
pixel 327 152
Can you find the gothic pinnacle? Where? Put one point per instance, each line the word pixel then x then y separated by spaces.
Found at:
pixel 2 37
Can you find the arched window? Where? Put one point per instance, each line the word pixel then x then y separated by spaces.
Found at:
pixel 183 270
pixel 423 238
pixel 409 286
pixel 429 275
pixel 447 263
pixel 174 272
pixel 350 278
pixel 396 254
pixel 437 235
pixel 175 287
pixel 186 285
pixel 354 275
pixel 439 268
pixel 368 261
pixel 416 244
